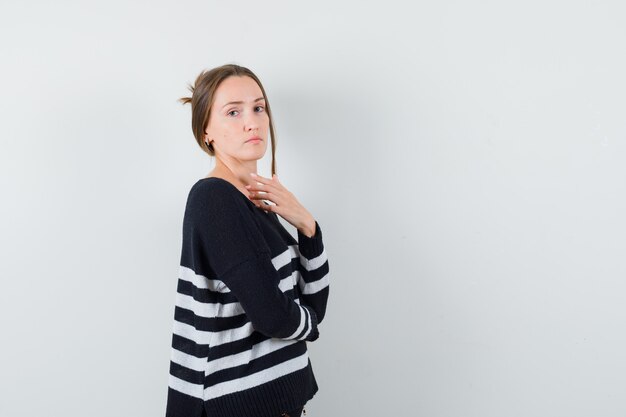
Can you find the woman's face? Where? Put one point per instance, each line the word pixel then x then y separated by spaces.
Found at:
pixel 238 113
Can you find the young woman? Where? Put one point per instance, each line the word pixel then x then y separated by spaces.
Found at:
pixel 249 295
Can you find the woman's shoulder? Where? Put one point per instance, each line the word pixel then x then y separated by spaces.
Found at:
pixel 213 183
pixel 213 187
pixel 215 192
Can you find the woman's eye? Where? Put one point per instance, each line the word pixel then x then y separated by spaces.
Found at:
pixel 230 113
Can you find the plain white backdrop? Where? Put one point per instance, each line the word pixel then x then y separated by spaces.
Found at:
pixel 465 160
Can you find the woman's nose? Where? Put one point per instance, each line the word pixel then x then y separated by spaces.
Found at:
pixel 250 122
pixel 251 127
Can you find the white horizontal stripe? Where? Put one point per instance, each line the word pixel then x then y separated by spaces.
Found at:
pixel 282 259
pixel 241 358
pixel 200 364
pixel 189 332
pixel 314 263
pixel 209 310
pixel 203 337
pixel 194 390
pixel 303 323
pixel 200 309
pixel 288 282
pixel 231 335
pixel 257 378
pixel 188 361
pixel 200 281
pixel 231 309
pixel 309 264
pixel 314 286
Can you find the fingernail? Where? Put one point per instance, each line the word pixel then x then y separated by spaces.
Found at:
pixel 253 174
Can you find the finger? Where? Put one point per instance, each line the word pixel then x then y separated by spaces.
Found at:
pixel 274 208
pixel 264 183
pixel 257 187
pixel 260 178
pixel 260 196
pixel 263 189
pixel 271 197
pixel 268 181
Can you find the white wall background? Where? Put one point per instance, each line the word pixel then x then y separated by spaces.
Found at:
pixel 466 161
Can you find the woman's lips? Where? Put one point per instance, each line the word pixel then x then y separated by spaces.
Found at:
pixel 254 140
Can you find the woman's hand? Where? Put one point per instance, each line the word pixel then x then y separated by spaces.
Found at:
pixel 285 203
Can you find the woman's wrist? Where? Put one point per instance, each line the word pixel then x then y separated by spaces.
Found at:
pixel 308 227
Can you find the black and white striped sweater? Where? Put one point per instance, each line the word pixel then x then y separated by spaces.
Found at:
pixel 249 297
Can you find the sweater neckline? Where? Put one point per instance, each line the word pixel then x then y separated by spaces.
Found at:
pixel 238 190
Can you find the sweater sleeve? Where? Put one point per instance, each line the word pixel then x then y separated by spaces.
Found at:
pixel 313 282
pixel 232 242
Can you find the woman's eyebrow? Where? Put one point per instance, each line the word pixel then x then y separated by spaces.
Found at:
pixel 241 102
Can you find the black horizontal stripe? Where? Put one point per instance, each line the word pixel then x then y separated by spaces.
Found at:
pixel 186 374
pixel 205 295
pixel 236 346
pixel 225 349
pixel 285 270
pixel 209 324
pixel 266 361
pixel 189 347
pixel 201 294
pixel 315 274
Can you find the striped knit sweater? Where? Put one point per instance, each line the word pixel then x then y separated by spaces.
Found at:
pixel 249 297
